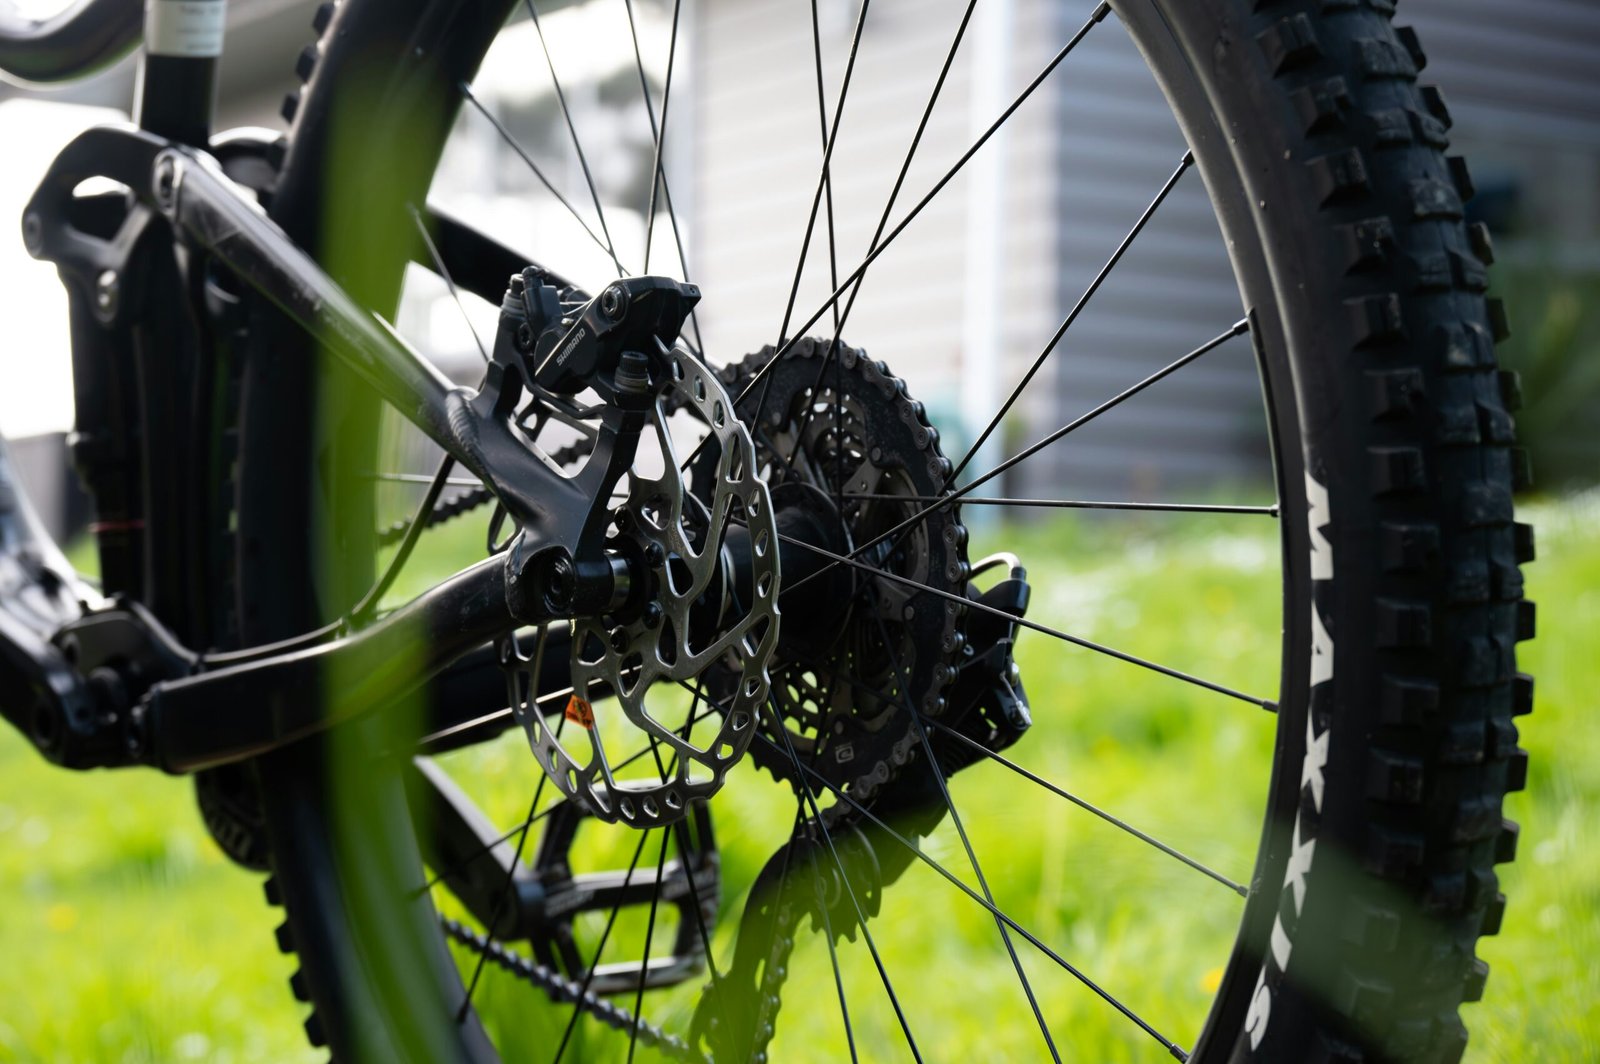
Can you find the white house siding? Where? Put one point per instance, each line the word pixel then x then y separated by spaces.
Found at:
pixel 759 153
pixel 1082 162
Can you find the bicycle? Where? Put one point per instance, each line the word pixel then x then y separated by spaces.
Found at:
pixel 773 549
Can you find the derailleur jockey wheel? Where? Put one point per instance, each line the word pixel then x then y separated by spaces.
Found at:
pixel 711 561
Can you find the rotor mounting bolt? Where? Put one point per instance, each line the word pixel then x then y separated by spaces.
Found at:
pixel 652 615
pixel 619 640
pixel 655 554
pixel 614 301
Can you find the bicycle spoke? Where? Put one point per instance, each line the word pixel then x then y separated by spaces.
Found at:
pixel 499 909
pixel 1072 315
pixel 840 320
pixel 1087 644
pixel 516 859
pixel 917 851
pixel 787 344
pixel 419 522
pixel 833 958
pixel 551 698
pixel 816 815
pixel 522 153
pixel 808 797
pixel 827 161
pixel 856 683
pixel 649 934
pixel 424 478
pixel 688 871
pixel 992 755
pixel 666 186
pixel 1068 504
pixel 566 113
pixel 966 842
pixel 522 828
pixel 1239 329
pixel 822 121
pixel 605 935
pixel 450 282
pixel 660 132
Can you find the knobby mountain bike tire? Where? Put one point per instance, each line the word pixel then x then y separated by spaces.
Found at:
pixel 1325 159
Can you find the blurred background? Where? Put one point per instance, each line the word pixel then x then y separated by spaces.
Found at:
pixel 958 307
pixel 1062 184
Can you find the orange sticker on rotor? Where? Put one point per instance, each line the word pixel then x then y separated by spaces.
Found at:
pixel 580 712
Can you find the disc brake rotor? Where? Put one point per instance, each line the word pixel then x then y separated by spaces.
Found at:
pixel 701 608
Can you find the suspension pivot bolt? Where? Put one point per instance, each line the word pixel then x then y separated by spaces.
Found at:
pixel 166 181
pixel 33 233
pixel 106 292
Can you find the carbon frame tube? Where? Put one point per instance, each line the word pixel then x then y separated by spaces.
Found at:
pixel 86 37
pixel 288 695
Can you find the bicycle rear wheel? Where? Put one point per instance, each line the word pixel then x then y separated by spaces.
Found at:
pixel 1362 292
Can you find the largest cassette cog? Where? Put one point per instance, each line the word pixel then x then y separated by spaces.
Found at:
pixel 847 443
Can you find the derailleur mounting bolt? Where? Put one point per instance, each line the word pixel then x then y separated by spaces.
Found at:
pixel 613 301
pixel 633 374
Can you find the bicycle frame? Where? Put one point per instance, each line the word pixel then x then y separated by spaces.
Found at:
pixel 178 197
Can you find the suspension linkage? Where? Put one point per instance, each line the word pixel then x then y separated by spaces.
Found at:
pixel 108 685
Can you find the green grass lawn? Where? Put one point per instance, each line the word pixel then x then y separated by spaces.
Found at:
pixel 127 937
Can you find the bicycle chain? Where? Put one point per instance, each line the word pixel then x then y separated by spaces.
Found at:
pixel 562 990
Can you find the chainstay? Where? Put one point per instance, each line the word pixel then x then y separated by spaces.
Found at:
pixel 562 990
